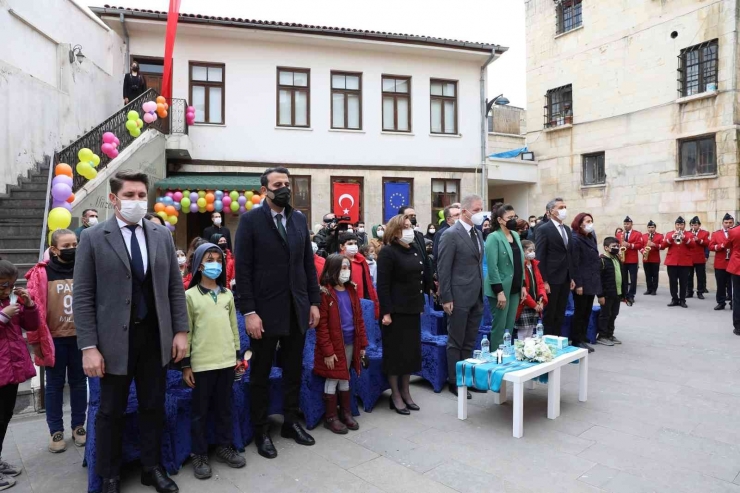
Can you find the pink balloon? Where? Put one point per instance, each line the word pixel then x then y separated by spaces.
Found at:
pixel 177 196
pixel 149 106
pixel 191 109
pixel 226 201
pixel 118 142
pixel 106 148
pixel 113 154
pixel 169 194
pixel 149 117
pixel 109 137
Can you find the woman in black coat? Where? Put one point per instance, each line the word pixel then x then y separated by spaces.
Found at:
pixel 586 275
pixel 401 295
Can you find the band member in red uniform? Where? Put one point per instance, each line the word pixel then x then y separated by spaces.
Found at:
pixel 632 241
pixel 700 261
pixel 733 268
pixel 719 245
pixel 679 260
pixel 651 258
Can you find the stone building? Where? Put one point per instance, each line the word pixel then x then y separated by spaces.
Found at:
pixel 632 109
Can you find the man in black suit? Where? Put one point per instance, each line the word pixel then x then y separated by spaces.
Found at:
pixel 279 297
pixel 553 248
pixel 452 215
pixel 218 229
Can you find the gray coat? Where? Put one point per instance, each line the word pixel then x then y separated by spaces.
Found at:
pixel 459 266
pixel 102 298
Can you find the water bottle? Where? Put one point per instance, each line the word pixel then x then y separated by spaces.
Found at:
pixel 507 342
pixel 540 329
pixel 485 347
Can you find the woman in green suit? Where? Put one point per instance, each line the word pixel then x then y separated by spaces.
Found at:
pixel 504 284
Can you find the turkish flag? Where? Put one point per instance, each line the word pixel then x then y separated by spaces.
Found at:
pixel 347 200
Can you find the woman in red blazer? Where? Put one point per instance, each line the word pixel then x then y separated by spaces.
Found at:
pixel 340 341
pixel 530 309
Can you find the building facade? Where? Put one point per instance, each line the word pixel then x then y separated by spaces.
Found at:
pixel 632 109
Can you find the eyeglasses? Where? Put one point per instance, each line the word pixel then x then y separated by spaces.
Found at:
pixel 7 285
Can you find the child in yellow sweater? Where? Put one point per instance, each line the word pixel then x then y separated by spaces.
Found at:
pixel 213 351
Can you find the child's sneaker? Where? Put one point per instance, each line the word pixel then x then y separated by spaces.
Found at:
pixel 228 456
pixel 80 436
pixel 604 340
pixel 201 468
pixel 57 443
pixel 9 469
pixel 615 340
pixel 6 482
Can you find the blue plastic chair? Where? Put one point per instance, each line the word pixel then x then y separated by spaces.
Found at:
pixel 371 383
pixel 593 324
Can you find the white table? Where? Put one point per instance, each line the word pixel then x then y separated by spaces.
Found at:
pixel 522 377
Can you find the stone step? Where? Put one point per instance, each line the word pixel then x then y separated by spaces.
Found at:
pixel 20 256
pixel 22 269
pixel 28 194
pixel 40 178
pixel 10 211
pixel 29 185
pixel 22 203
pixel 21 241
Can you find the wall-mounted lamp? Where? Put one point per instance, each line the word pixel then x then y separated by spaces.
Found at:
pixel 76 52
pixel 527 156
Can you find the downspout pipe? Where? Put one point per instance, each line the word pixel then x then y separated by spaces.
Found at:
pixel 483 130
pixel 125 39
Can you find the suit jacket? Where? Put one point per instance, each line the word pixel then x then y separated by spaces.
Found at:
pixel 679 254
pixel 438 237
pixel 634 244
pixel 586 264
pixel 733 243
pixel 556 264
pixel 654 255
pixel 272 273
pixel 460 266
pixel 102 301
pixel 719 245
pixel 701 242
pixel 500 260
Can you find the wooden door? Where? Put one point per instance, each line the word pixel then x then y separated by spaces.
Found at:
pixel 153 81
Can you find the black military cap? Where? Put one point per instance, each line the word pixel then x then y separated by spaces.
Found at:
pixel 651 223
pixel 627 219
pixel 680 220
pixel 727 217
pixel 695 220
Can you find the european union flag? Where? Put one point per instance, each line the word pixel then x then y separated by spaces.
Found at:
pixel 395 196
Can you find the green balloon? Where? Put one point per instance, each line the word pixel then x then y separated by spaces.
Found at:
pixel 185 203
pixel 234 196
pixel 234 206
pixel 131 125
pixel 132 116
pixel 441 214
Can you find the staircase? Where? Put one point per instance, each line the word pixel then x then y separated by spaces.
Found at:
pixel 21 219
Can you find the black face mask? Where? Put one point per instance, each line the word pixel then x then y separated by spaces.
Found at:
pixel 413 221
pixel 511 224
pixel 614 251
pixel 223 247
pixel 280 197
pixel 67 255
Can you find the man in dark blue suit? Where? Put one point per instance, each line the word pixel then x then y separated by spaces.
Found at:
pixel 279 297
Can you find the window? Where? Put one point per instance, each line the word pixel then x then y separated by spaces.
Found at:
pixel 444 106
pixel 293 104
pixel 444 193
pixel 346 100
pixel 697 156
pixel 207 91
pixel 593 169
pixel 697 69
pixel 559 106
pixel 396 103
pixel 300 187
pixel 568 15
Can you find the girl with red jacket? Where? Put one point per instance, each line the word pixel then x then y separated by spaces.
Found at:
pixel 220 240
pixel 530 309
pixel 340 341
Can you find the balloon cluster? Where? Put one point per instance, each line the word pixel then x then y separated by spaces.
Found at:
pixel 150 109
pixel 190 115
pixel 88 162
pixel 110 145
pixel 165 208
pixel 134 123
pixel 162 107
pixel 186 201
pixel 60 216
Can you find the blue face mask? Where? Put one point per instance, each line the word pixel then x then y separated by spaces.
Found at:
pixel 212 270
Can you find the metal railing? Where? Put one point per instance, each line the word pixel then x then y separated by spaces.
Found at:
pixel 178 124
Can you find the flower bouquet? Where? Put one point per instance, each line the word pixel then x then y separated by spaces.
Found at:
pixel 533 350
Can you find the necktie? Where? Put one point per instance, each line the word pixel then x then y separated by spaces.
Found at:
pixel 137 269
pixel 474 237
pixel 564 235
pixel 280 227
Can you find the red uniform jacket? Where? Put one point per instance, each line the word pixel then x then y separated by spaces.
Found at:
pixel 633 244
pixel 718 245
pixel 361 276
pixel 734 244
pixel 679 254
pixel 40 340
pixel 530 302
pixel 329 338
pixel 654 255
pixel 230 270
pixel 702 241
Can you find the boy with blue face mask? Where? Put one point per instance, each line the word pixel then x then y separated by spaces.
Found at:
pixel 213 352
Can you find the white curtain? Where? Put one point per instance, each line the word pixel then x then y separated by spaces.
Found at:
pixel 284 105
pixel 436 116
pixel 337 117
pixel 353 110
pixel 199 101
pixel 301 107
pixel 449 117
pixel 388 113
pixel 214 105
pixel 402 106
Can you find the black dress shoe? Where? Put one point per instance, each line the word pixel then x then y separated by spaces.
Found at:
pixel 403 411
pixel 736 331
pixel 453 390
pixel 674 303
pixel 684 305
pixel 265 447
pixel 720 306
pixel 647 293
pixel 587 347
pixel 705 291
pixel 410 407
pixel 297 433
pixel 158 478
pixel 111 486
pixel 690 295
pixel 654 293
pixel 700 296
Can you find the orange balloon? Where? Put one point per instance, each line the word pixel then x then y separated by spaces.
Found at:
pixel 210 207
pixel 210 198
pixel 159 207
pixel 63 169
pixel 162 114
pixel 256 199
pixel 170 210
pixel 71 198
pixel 161 100
pixel 160 107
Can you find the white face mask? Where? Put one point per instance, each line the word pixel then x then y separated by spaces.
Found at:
pixel 532 224
pixel 360 230
pixel 133 211
pixel 530 255
pixel 562 214
pixel 379 233
pixel 314 247
pixel 344 276
pixel 181 260
pixel 477 218
pixel 92 221
pixel 408 236
pixel 351 250
pixel 432 231
pixel 349 230
pixel 217 221
pixel 588 228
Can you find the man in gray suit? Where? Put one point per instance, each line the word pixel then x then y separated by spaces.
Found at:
pixel 131 321
pixel 460 273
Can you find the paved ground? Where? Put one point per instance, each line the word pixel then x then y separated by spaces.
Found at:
pixel 663 415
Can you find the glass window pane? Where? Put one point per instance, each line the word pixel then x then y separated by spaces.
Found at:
pixel 353 111
pixel 301 107
pixel 214 105
pixel 452 187
pixel 338 82
pixel 199 101
pixel 215 74
pixel 449 117
pixel 438 186
pixel 300 192
pixel 389 85
pixel 199 73
pixel 402 85
pixel 688 158
pixel 388 113
pixel 353 82
pixel 449 89
pixel 337 112
pixel 151 69
pixel 706 156
pixel 402 107
pixel 284 108
pixel 436 88
pixel 437 116
pixel 300 79
pixel 286 78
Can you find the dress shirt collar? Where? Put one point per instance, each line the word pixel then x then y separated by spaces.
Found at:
pixel 122 224
pixel 272 211
pixel 467 226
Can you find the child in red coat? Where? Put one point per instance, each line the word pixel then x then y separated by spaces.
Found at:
pixel 531 307
pixel 340 341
